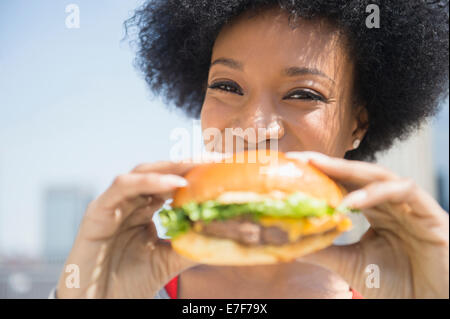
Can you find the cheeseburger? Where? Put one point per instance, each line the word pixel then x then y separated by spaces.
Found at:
pixel 247 212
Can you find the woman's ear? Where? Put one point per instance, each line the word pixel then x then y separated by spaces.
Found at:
pixel 361 124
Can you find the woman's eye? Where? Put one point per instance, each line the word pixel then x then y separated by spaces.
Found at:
pixel 225 86
pixel 306 94
pixel 303 94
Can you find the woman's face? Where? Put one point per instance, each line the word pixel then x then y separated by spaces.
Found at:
pixel 293 84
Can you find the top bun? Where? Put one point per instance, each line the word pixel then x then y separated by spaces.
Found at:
pixel 259 172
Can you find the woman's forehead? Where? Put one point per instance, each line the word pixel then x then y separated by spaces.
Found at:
pixel 268 37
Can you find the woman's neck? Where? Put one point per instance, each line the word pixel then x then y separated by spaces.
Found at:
pixel 260 274
pixel 285 280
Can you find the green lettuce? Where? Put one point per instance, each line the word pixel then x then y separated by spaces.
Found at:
pixel 298 205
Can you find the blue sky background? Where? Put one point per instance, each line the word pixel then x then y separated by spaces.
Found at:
pixel 73 110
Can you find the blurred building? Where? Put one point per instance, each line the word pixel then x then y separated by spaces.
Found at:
pixel 23 277
pixel 443 189
pixel 64 208
pixel 441 154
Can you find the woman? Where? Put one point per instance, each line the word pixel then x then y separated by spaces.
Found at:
pixel 318 79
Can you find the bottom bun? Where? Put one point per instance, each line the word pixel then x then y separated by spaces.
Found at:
pixel 220 251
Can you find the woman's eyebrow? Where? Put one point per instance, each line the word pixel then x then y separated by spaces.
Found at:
pixel 290 71
pixel 296 71
pixel 228 62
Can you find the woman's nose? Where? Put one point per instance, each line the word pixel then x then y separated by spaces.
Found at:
pixel 259 123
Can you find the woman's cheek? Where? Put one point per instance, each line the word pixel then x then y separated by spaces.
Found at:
pixel 211 114
pixel 317 130
pixel 215 118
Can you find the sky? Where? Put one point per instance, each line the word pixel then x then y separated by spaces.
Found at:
pixel 74 111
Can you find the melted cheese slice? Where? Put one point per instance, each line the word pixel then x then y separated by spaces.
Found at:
pixel 296 227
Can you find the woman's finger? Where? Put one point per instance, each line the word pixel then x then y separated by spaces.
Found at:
pixel 377 193
pixel 355 174
pixel 100 218
pixel 179 167
pixel 131 185
pixel 403 195
pixel 165 167
pixel 143 215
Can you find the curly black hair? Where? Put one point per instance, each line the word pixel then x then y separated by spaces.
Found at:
pixel 401 67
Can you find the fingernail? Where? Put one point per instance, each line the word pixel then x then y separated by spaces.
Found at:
pixel 174 180
pixel 354 199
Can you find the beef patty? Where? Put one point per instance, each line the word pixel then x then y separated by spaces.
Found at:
pixel 245 231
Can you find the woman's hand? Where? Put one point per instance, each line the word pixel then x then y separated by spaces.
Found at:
pixel 117 249
pixel 408 238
